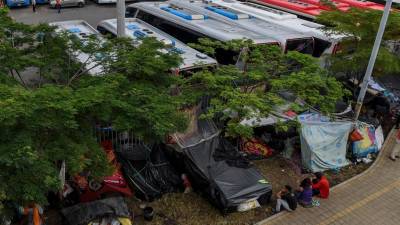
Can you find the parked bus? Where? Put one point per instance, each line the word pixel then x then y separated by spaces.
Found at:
pixel 42 2
pixel 289 39
pixel 188 26
pixel 323 44
pixel 310 9
pixel 17 3
pixel 137 29
pixel 82 30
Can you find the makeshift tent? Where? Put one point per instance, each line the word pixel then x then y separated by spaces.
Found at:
pixel 83 213
pixel 323 143
pixel 216 168
pixel 145 166
pixel 227 179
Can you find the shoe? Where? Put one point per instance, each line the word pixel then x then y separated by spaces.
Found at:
pixel 392 159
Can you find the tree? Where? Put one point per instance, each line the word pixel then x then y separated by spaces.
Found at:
pixel 253 91
pixel 49 103
pixel 359 28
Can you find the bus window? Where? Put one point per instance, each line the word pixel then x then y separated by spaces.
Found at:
pixel 305 46
pixel 105 32
pixel 320 46
pixel 147 17
pixel 182 34
pixel 131 12
pixel 189 72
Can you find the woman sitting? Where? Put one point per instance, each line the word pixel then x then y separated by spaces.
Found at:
pixel 304 193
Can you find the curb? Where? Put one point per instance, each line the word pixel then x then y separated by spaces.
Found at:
pixel 375 163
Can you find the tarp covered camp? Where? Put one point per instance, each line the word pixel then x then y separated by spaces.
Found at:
pixel 323 143
pixel 216 167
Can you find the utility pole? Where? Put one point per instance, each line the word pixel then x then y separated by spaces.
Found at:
pixel 372 59
pixel 121 18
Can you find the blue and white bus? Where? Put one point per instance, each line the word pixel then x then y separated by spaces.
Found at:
pixel 17 3
pixel 42 2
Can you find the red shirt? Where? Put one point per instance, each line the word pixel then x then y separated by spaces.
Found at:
pixel 323 187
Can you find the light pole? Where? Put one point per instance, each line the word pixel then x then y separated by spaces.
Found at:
pixel 120 18
pixel 372 59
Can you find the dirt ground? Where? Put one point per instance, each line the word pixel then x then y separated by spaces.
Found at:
pixel 192 209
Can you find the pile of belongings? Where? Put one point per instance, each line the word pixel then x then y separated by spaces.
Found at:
pixel 153 177
pixel 106 211
pixel 366 140
pixel 255 148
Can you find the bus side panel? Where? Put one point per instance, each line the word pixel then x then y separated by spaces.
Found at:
pixel 18 3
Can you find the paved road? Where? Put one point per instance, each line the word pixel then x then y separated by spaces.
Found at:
pixel 373 198
pixel 92 13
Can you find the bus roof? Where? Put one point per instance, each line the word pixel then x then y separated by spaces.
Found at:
pixel 277 17
pixel 82 30
pixel 208 26
pixel 226 13
pixel 136 29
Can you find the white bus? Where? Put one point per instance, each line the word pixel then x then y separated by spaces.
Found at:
pixel 323 43
pixel 289 39
pixel 82 30
pixel 137 29
pixel 188 26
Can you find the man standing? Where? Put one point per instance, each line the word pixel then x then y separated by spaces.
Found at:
pixel 58 5
pixel 34 6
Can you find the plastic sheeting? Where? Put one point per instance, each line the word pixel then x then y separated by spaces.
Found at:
pixel 323 144
pixel 83 213
pixel 379 137
pixel 198 130
pixel 153 177
pixel 368 144
pixel 226 186
pixel 227 182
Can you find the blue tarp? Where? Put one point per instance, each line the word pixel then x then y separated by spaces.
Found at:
pixel 324 144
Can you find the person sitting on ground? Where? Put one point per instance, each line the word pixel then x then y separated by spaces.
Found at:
pixel 285 199
pixel 304 193
pixel 320 187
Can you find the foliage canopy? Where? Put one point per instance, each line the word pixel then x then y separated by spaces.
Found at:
pixel 49 103
pixel 359 28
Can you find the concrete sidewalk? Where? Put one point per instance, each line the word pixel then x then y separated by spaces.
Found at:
pixel 372 198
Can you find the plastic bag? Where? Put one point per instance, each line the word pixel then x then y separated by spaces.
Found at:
pixel 356 136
